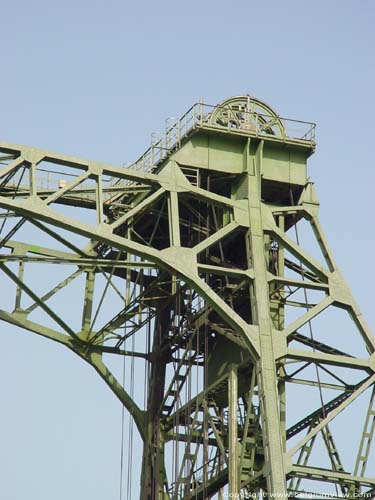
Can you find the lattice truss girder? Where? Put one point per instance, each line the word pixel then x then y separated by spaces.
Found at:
pixel 173 275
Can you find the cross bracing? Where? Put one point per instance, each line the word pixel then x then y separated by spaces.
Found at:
pixel 191 264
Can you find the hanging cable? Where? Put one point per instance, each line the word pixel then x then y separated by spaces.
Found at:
pixel 131 423
pixel 131 428
pixel 122 455
pixel 127 297
pixel 324 414
pixel 122 430
pixel 307 308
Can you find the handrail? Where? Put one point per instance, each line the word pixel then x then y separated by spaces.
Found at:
pixel 200 115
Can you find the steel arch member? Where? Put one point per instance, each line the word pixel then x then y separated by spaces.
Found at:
pixel 195 262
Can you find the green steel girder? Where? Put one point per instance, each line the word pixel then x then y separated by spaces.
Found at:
pixel 197 230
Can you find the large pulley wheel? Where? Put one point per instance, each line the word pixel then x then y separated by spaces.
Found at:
pixel 248 113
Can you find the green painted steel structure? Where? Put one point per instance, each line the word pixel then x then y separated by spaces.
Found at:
pixel 200 243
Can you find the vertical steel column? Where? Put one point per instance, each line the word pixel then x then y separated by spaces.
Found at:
pixel 88 303
pixel 152 480
pixel 99 200
pixel 174 219
pixel 267 380
pixel 21 271
pixel 32 179
pixel 280 325
pixel 233 431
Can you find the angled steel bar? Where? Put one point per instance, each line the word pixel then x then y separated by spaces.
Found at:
pixel 39 301
pixel 302 255
pixel 12 166
pixel 365 385
pixel 308 316
pixel 71 185
pixel 53 291
pixel 138 209
pixel 197 230
pixel 366 438
pixel 216 237
pixel 330 359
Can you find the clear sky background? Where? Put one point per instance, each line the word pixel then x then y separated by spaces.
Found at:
pixel 95 79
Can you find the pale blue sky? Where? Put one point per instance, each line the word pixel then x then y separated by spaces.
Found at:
pixel 95 79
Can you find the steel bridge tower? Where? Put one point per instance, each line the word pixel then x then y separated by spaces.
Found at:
pixel 246 347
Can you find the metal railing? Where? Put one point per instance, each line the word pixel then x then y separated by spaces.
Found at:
pixel 224 118
pixel 221 117
pixel 50 180
pixel 199 476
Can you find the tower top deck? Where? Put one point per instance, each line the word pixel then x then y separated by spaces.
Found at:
pixel 239 115
pixel 224 129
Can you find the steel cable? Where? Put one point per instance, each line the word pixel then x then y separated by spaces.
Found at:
pixel 324 429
